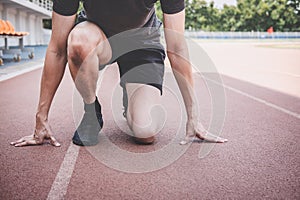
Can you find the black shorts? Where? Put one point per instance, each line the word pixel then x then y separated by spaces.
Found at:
pixel 139 54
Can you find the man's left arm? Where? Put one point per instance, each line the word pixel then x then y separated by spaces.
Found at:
pixel 178 55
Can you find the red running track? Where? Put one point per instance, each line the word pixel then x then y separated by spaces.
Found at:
pixel 261 159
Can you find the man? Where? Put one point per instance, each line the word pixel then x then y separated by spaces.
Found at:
pixel 85 47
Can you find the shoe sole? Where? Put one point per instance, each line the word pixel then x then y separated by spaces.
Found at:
pixel 144 141
pixel 77 140
pixel 80 143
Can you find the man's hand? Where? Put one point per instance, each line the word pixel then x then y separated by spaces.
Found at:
pixel 195 129
pixel 41 134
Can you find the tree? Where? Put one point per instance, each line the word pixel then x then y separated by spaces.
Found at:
pixel 295 4
pixel 213 17
pixel 158 10
pixel 259 15
pixel 228 18
pixel 248 15
pixel 195 14
pixel 200 15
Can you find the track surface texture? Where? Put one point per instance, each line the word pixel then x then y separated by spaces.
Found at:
pixel 262 123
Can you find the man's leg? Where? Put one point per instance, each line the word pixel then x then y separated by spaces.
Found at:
pixel 87 49
pixel 144 115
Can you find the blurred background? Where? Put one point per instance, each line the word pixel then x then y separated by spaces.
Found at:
pixel 204 18
pixel 242 37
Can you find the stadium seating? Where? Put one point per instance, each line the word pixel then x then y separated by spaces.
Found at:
pixel 7 30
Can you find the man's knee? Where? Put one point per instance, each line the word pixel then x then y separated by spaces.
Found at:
pixel 146 122
pixel 81 43
pixel 79 46
pixel 144 130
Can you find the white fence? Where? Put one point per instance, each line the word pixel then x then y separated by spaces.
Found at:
pixel 47 4
pixel 242 35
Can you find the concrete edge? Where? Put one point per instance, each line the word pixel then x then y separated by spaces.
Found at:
pixel 20 72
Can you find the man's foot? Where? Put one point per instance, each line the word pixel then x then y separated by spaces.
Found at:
pixel 144 141
pixel 90 125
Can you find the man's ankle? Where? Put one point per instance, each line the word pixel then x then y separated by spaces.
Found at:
pixel 92 107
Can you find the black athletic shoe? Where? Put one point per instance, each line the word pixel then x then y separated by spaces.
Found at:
pixel 90 125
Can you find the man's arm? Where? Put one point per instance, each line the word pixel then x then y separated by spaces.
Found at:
pixel 178 55
pixel 53 71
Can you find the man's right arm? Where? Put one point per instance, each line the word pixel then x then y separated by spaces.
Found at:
pixel 55 61
pixel 53 71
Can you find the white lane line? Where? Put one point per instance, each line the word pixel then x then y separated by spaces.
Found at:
pixel 286 111
pixel 63 177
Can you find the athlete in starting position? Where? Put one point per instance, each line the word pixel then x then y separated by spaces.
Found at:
pixel 97 39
